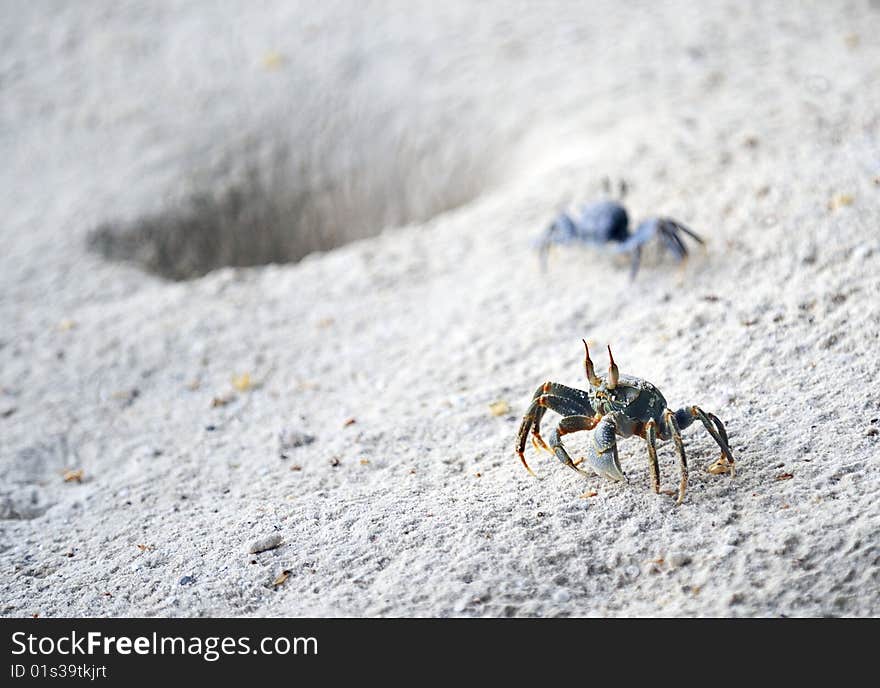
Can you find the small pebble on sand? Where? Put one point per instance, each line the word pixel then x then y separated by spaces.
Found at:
pixel 265 543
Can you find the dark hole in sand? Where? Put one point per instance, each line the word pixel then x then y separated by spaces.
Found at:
pixel 288 208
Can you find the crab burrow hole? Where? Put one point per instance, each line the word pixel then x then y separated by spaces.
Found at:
pixel 291 190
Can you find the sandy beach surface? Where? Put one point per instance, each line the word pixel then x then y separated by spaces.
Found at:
pixel 178 388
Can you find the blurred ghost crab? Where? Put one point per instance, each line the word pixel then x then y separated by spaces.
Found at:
pixel 606 225
pixel 616 405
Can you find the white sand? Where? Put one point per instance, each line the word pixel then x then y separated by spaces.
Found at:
pixel 759 127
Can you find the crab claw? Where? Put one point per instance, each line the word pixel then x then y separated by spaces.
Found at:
pixel 602 451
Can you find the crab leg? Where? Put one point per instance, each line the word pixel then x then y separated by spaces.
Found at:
pixel 563 405
pixel 667 231
pixel 566 426
pixel 565 401
pixel 651 437
pixel 719 434
pixel 636 259
pixel 562 230
pixel 681 228
pixel 673 243
pixel 672 425
pixel 577 398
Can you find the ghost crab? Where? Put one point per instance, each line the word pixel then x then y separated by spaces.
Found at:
pixel 615 405
pixel 606 224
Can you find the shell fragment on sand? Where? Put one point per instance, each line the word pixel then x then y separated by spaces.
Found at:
pixel 265 543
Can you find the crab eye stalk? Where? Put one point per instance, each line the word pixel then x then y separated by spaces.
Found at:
pixel 613 373
pixel 588 366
